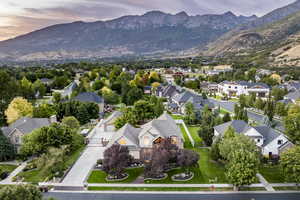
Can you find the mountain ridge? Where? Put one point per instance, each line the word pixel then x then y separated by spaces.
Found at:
pixel 153 32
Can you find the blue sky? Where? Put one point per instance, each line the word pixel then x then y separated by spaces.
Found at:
pixel 22 16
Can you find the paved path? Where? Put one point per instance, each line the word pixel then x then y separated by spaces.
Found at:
pixel 265 182
pixel 9 179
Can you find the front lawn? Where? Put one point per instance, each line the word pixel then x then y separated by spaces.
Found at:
pixel 35 175
pixel 272 173
pixel 177 117
pixel 194 132
pixel 7 168
pixel 208 172
pixel 98 176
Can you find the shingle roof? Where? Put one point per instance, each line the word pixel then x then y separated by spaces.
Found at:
pixel 239 126
pixel 89 97
pixel 293 95
pixel 268 133
pixel 165 125
pixel 127 131
pixel 169 90
pixel 26 125
pixel 69 89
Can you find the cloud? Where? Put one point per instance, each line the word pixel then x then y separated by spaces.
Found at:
pixel 25 16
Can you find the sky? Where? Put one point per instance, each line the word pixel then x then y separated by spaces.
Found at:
pixel 18 17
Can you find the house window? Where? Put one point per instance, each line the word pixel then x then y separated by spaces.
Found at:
pixel 258 140
pixel 146 141
pixel 235 87
pixel 279 142
pixel 122 141
pixel 229 86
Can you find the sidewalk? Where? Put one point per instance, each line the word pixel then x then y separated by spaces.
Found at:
pixel 265 182
pixel 9 179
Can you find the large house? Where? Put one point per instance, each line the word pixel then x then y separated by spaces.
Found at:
pixel 91 97
pixel 271 142
pixel 140 141
pixel 293 88
pixel 181 99
pixel 237 88
pixel 24 126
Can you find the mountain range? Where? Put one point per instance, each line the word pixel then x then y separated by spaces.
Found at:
pixel 158 33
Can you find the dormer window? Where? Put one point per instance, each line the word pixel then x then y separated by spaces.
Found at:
pixel 279 142
pixel 258 140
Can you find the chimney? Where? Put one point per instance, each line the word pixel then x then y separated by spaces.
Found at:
pixel 53 119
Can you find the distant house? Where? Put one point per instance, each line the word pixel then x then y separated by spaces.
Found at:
pixel 293 87
pixel 147 90
pixel 67 91
pixel 271 142
pixel 185 97
pixel 91 97
pixel 24 126
pixel 46 81
pixel 235 89
pixel 141 141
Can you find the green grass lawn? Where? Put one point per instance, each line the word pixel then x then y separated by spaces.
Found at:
pixel 8 168
pixel 187 142
pixel 98 176
pixel 206 172
pixel 272 173
pixel 177 117
pixel 194 132
pixel 287 188
pixel 35 176
pixel 189 189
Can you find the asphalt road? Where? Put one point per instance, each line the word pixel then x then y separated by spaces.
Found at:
pixel 228 105
pixel 142 196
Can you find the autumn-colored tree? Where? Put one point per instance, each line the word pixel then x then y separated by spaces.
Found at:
pixel 18 107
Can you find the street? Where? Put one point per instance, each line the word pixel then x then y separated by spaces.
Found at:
pixel 174 196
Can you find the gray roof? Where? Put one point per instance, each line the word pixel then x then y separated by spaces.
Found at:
pixel 285 101
pixel 268 133
pixel 293 95
pixel 26 125
pixel 165 125
pixel 169 91
pixel 239 126
pixel 129 132
pixel 248 84
pixel 89 97
pixel 69 89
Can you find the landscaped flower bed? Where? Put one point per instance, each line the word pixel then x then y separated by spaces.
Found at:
pixel 183 176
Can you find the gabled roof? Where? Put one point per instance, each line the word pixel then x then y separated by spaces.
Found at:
pixel 169 90
pixel 239 126
pixel 293 95
pixel 165 125
pixel 69 89
pixel 89 97
pixel 26 125
pixel 268 133
pixel 129 132
pixel 246 83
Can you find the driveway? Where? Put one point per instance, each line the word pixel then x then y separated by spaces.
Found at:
pixel 94 151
